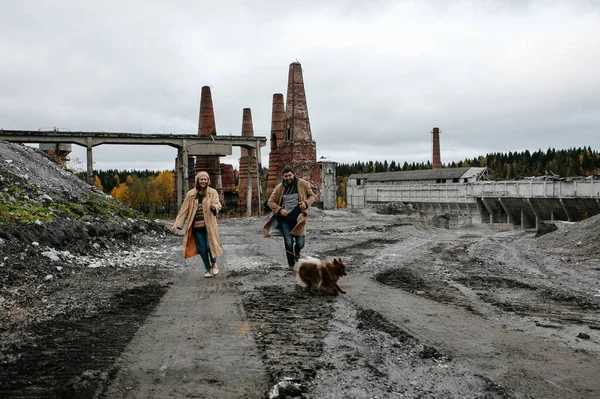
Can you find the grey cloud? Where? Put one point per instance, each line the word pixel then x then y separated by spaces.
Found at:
pixel 494 76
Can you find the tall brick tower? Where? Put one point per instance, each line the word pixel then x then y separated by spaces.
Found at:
pixel 207 127
pixel 435 140
pixel 247 131
pixel 298 149
pixel 277 137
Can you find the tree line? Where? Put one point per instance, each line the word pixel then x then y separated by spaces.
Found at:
pixel 150 192
pixel 153 192
pixel 582 161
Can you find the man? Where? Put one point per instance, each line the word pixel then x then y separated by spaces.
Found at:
pixel 289 202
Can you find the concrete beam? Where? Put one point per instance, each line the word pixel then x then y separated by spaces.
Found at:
pixel 200 149
pixel 98 138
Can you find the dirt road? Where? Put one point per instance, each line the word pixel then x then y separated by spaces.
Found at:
pixel 468 313
pixel 472 312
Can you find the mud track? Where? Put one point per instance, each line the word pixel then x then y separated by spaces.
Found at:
pixel 430 313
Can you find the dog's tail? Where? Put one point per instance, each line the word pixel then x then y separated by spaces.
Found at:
pixel 307 259
pixel 304 261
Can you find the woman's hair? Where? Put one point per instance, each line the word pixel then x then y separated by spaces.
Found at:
pixel 197 185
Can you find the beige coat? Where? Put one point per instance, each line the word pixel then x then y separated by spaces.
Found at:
pixel 305 193
pixel 187 213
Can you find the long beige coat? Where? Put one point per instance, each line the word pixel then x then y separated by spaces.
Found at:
pixel 305 193
pixel 187 213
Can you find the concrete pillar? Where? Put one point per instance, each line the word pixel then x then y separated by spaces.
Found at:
pixel 562 203
pixel 184 159
pixel 90 161
pixel 249 182
pixel 179 175
pixel 489 209
pixel 535 212
pixel 503 205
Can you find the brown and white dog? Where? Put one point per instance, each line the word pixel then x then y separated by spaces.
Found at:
pixel 312 273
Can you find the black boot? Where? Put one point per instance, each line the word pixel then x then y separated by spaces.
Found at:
pixel 290 259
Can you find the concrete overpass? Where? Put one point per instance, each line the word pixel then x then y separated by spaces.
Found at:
pixel 523 202
pixel 187 145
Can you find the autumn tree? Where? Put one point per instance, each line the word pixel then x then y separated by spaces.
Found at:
pixel 97 182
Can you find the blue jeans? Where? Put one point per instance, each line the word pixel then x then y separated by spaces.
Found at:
pixel 201 238
pixel 288 241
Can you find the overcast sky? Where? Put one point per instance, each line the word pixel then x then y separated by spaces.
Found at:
pixel 495 76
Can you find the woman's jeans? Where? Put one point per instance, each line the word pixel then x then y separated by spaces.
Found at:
pixel 201 238
pixel 292 253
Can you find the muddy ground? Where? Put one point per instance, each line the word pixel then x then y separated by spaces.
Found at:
pixel 466 312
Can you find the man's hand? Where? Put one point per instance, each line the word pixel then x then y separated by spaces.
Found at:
pixel 303 206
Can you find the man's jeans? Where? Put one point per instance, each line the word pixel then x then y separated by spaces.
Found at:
pixel 201 238
pixel 292 253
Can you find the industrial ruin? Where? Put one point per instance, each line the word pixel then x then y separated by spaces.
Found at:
pixel 291 144
pixel 467 194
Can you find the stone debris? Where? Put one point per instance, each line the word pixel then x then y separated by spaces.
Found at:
pixel 285 389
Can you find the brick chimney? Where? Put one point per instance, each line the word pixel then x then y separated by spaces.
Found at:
pixel 298 149
pixel 247 131
pixel 206 123
pixel 296 115
pixel 437 163
pixel 207 127
pixel 277 137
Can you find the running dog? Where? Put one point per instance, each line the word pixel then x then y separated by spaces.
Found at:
pixel 312 273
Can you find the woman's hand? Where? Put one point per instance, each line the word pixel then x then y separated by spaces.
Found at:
pixel 173 229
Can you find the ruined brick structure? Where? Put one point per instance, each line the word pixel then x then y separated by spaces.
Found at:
pixel 230 194
pixel 207 127
pixel 247 131
pixel 296 147
pixel 277 130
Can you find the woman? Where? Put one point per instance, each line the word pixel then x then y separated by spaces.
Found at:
pixel 200 208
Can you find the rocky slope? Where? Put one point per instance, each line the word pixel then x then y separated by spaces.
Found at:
pixel 60 234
